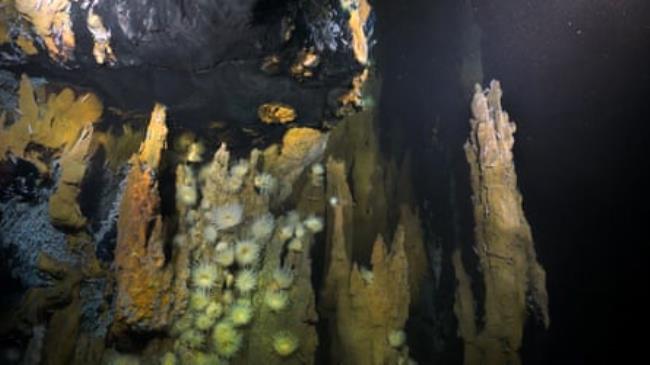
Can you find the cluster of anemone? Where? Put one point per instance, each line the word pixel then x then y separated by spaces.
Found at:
pixel 204 276
pixel 285 343
pixel 226 216
pixel 203 321
pixel 246 281
pixel 241 313
pixel 247 252
pixel 265 183
pixel 226 339
pixel 262 227
pixel 396 338
pixel 367 275
pixel 295 245
pixel 313 223
pixel 295 228
pixel 187 195
pixel 214 310
pixel 224 254
pixel 210 234
pixel 192 338
pixel 317 171
pixel 199 300
pixel 276 300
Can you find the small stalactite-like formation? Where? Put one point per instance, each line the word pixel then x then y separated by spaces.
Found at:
pixel 63 208
pixel 512 277
pixel 143 276
pixel 365 307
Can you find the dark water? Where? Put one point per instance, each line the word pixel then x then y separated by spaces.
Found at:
pixel 576 79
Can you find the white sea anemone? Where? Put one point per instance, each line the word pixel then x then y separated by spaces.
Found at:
pixel 265 183
pixel 210 234
pixel 192 338
pixel 285 343
pixel 246 252
pixel 187 195
pixel 224 254
pixel 276 300
pixel 241 313
pixel 246 281
pixel 204 276
pixel 227 341
pixel 317 169
pixel 299 230
pixel 180 240
pixel 203 322
pixel 239 169
pixel 295 245
pixel 262 227
pixel 367 275
pixel 313 223
pixel 283 277
pixel 199 299
pixel 227 215
pixel 214 310
pixel 396 338
pixel 286 231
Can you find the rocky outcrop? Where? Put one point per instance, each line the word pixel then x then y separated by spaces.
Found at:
pixel 513 279
pixel 143 273
pixel 365 307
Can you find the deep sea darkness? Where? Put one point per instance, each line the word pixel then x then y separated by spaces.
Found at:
pixel 576 79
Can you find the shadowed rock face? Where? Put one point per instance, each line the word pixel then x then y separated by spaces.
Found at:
pixel 206 60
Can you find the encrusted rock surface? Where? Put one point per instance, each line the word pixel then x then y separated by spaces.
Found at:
pixel 364 306
pixel 143 273
pixel 514 280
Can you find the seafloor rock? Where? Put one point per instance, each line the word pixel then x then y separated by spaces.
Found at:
pixel 364 306
pixel 143 274
pixel 38 302
pixel 513 279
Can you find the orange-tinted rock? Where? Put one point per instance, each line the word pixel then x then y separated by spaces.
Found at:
pixel 143 275
pixel 363 305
